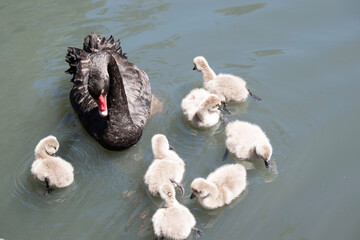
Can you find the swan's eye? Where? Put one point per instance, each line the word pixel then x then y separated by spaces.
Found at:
pixel 99 94
pixel 97 88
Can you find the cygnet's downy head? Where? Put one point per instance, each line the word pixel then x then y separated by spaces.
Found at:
pixel 160 146
pixel 199 188
pixel 47 147
pixel 212 103
pixel 167 192
pixel 265 152
pixel 200 63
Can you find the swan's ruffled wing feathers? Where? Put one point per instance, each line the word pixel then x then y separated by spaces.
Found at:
pixel 79 62
pixel 80 97
pixel 94 43
pixel 140 110
pixel 138 90
pixel 81 100
pixel 73 58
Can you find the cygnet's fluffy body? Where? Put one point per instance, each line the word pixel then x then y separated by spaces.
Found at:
pixel 246 140
pixel 55 171
pixel 226 86
pixel 220 187
pixel 166 165
pixel 201 108
pixel 173 220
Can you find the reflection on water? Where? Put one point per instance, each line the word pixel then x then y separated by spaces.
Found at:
pixel 169 42
pixel 241 10
pixel 140 16
pixel 31 192
pixel 211 217
pixel 257 172
pixel 268 52
pixel 240 66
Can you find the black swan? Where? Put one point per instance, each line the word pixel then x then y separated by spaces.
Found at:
pixel 111 96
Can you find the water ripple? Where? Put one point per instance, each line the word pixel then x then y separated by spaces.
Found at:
pixel 31 192
pixel 241 10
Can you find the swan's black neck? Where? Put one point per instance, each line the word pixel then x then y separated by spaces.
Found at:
pixel 120 131
pixel 117 100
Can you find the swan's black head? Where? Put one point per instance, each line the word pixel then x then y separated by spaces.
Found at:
pixel 98 88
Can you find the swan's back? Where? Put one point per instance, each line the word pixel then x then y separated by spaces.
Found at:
pixel 243 137
pixel 57 171
pixel 192 102
pixel 230 180
pixel 167 164
pixel 228 87
pixel 244 132
pixel 174 220
pixel 228 176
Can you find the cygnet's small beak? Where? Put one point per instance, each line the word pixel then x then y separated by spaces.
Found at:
pixel 267 164
pixel 171 147
pixel 194 67
pixel 192 196
pixel 225 109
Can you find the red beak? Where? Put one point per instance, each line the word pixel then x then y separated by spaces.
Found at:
pixel 102 105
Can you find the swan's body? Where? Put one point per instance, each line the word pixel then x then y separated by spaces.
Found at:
pixel 111 96
pixel 220 187
pixel 201 108
pixel 55 171
pixel 173 220
pixel 226 86
pixel 246 140
pixel 166 165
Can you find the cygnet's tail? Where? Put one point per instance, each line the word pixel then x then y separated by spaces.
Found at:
pixel 95 43
pixel 264 151
pixel 256 98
